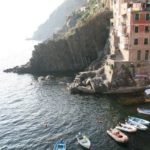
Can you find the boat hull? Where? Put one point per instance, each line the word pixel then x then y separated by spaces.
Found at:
pixel 137 125
pixel 144 111
pixel 138 120
pixel 122 138
pixel 84 142
pixel 126 128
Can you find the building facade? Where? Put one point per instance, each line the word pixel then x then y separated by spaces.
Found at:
pixel 130 37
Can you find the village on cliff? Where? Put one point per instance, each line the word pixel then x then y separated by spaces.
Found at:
pixel 127 67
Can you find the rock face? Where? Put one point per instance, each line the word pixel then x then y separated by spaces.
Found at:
pixel 90 82
pixel 73 53
pixel 97 81
pixel 123 78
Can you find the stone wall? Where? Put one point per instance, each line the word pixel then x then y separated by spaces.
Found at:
pixel 127 73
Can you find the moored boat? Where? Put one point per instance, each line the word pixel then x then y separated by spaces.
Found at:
pixel 138 120
pixel 83 140
pixel 117 135
pixel 144 111
pixel 137 125
pixel 126 127
pixel 60 145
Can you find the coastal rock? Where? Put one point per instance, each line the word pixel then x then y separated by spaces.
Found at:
pixel 49 77
pixel 72 53
pixel 90 82
pixel 122 82
pixel 123 78
pixel 41 78
pixel 20 69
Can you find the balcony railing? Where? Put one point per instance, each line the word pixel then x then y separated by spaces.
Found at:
pixel 139 7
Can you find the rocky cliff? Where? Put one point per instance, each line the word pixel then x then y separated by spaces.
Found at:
pixel 72 53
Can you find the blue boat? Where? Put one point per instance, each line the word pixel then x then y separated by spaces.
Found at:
pixel 144 111
pixel 138 120
pixel 60 145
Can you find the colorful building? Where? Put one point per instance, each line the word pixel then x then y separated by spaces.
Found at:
pixel 130 38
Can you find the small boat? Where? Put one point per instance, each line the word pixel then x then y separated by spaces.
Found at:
pixel 126 127
pixel 117 135
pixel 147 92
pixel 143 111
pixel 137 125
pixel 138 120
pixel 83 140
pixel 60 145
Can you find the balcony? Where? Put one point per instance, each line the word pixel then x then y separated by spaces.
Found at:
pixel 142 6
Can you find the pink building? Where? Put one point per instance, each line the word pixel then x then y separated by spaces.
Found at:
pixel 130 36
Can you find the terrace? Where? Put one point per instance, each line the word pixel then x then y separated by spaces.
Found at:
pixel 134 7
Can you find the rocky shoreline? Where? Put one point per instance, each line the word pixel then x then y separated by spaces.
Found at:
pixel 95 82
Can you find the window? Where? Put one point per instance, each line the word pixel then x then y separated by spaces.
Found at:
pixel 148 6
pixel 137 16
pixel 146 54
pixel 135 41
pixel 145 41
pixel 139 55
pixel 147 16
pixel 146 28
pixel 136 29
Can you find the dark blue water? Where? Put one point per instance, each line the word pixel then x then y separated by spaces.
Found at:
pixel 33 116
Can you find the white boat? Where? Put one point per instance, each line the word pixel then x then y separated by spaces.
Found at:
pixel 126 127
pixel 83 140
pixel 117 135
pixel 144 111
pixel 147 92
pixel 138 120
pixel 137 125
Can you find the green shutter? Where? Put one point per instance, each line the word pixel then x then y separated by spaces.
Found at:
pixel 136 16
pixel 147 16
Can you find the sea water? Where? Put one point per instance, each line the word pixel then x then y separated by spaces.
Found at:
pixel 34 115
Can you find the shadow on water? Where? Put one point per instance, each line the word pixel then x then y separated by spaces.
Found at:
pixel 129 99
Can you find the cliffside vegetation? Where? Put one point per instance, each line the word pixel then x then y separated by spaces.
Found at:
pixel 71 14
pixel 81 16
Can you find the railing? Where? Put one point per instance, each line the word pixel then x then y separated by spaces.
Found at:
pixel 137 7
